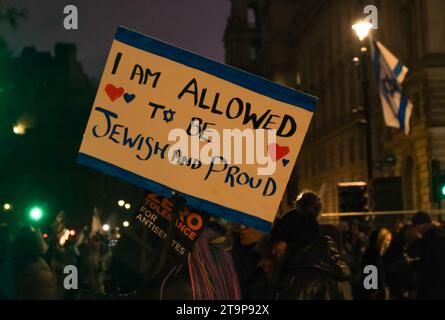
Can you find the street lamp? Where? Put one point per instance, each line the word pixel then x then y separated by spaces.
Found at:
pixel 121 203
pixel 7 207
pixel 19 129
pixel 127 206
pixel 362 30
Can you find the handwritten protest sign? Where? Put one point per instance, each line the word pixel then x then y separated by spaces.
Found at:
pixel 153 95
pixel 156 214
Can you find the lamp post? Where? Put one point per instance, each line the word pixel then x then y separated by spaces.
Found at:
pixel 362 31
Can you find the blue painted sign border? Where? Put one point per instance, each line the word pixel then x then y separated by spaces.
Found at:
pixel 204 205
pixel 236 76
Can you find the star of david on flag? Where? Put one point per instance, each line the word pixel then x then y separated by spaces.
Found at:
pixel 391 73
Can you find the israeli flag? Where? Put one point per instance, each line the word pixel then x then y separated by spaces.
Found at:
pixel 391 73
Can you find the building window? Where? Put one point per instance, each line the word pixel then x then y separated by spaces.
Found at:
pixel 341 153
pixel 361 147
pixel 351 150
pixel 253 53
pixel 340 112
pixel 332 159
pixel 298 79
pixel 252 17
pixel 322 109
pixel 416 108
pixel 333 103
pixel 335 196
pixel 313 166
pixel 322 161
pixel 346 108
pixel 255 47
pixel 380 140
pixel 302 168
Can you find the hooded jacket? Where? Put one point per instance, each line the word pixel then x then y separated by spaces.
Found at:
pixel 317 272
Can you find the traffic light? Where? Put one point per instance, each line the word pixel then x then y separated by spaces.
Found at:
pixel 439 187
pixel 438 182
pixel 36 213
pixel 442 188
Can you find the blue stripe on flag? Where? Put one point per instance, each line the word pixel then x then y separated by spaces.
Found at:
pixel 402 111
pixel 376 60
pixel 228 73
pixel 207 206
pixel 398 69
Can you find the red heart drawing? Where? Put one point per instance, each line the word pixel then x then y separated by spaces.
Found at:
pixel 276 152
pixel 114 92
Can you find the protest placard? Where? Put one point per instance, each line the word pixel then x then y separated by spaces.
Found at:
pixel 169 120
pixel 158 213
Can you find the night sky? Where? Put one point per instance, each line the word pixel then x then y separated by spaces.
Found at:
pixel 195 25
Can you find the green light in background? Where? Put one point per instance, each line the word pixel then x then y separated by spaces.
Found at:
pixel 36 213
pixel 443 190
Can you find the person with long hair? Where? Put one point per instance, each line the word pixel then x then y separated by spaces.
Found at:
pixel 208 273
pixel 378 244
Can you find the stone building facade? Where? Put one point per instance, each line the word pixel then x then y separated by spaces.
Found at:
pixel 310 45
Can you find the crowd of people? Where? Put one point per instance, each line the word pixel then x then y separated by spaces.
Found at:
pixel 32 267
pixel 299 259
pixel 306 260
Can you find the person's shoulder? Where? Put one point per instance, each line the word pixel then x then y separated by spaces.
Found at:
pixel 439 234
pixel 434 234
pixel 39 266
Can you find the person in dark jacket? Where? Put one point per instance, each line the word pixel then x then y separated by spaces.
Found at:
pixel 430 263
pixel 307 265
pixel 401 279
pixel 6 268
pixel 246 260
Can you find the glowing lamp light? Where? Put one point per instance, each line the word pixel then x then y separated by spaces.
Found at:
pixel 7 207
pixel 106 227
pixel 19 129
pixel 362 29
pixel 125 224
pixel 121 203
pixel 127 206
pixel 36 213
pixel 64 237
